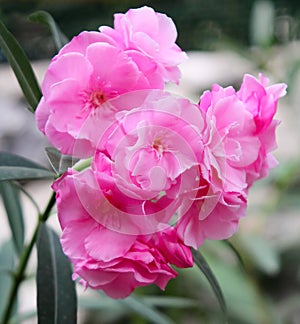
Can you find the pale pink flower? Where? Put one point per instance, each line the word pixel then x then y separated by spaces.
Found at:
pixel 261 101
pixel 214 215
pixel 80 80
pixel 238 136
pixel 147 158
pixel 242 130
pixel 105 259
pixel 149 38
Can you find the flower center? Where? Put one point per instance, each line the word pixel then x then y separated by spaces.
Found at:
pixel 97 98
pixel 158 146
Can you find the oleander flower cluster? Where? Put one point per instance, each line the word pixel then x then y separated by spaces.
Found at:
pixel 165 174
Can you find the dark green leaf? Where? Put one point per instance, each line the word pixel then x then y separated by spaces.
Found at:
pixel 15 167
pixel 206 270
pixel 56 295
pixel 22 173
pixel 45 18
pixel 59 162
pixel 7 264
pixel 146 311
pixel 11 199
pixel 21 67
pixel 9 159
pixel 28 195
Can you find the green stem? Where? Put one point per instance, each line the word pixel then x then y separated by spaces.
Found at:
pixel 19 274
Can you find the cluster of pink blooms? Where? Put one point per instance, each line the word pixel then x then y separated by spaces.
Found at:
pixel 165 174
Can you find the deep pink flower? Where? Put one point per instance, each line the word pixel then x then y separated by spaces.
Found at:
pixel 105 259
pixel 149 38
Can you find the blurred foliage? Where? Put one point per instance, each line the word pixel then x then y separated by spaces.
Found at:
pixel 201 24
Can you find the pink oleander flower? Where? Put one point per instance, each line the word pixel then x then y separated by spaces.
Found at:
pixel 214 215
pixel 147 160
pixel 238 138
pixel 261 101
pixel 97 66
pixel 79 83
pixel 108 260
pixel 144 33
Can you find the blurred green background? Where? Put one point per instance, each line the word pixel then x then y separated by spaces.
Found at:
pixel 202 24
pixel 265 33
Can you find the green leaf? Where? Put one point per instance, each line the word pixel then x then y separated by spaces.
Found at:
pixel 7 264
pixel 21 189
pixel 246 303
pixel 206 270
pixel 9 159
pixel 59 162
pixel 11 200
pixel 15 167
pixel 21 67
pixel 22 173
pixel 56 295
pixel 236 252
pixel 45 18
pixel 146 311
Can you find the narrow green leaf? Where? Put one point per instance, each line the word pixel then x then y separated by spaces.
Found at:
pixel 22 173
pixel 28 195
pixel 59 162
pixel 15 167
pixel 7 264
pixel 56 295
pixel 9 159
pixel 11 199
pixel 206 270
pixel 146 311
pixel 45 18
pixel 236 252
pixel 21 67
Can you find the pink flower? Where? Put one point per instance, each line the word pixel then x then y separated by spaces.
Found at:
pixel 146 159
pixel 243 128
pixel 140 53
pixel 105 259
pixel 149 38
pixel 214 215
pixel 230 138
pixel 261 101
pixel 79 83
pixel 238 137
